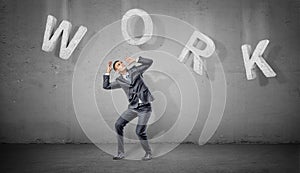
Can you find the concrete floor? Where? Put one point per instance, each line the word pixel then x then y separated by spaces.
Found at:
pixel 185 158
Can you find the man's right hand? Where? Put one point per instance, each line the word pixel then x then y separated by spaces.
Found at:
pixel 109 68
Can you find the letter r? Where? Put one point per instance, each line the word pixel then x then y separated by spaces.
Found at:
pixel 198 53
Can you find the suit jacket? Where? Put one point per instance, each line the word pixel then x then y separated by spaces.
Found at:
pixel 135 90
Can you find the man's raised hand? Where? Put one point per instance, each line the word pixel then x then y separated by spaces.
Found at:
pixel 109 68
pixel 129 60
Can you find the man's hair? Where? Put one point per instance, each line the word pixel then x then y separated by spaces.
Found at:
pixel 115 64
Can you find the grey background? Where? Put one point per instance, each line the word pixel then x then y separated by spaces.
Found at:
pixel 36 98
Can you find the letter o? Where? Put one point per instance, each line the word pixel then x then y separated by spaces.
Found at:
pixel 148 29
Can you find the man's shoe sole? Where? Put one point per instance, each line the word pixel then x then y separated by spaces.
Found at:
pixel 146 159
pixel 118 158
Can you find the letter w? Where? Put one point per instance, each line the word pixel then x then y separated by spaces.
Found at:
pixel 50 42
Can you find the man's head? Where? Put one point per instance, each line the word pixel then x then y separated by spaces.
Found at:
pixel 119 66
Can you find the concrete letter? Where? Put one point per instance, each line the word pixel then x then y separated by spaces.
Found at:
pixel 198 53
pixel 257 59
pixel 147 23
pixel 65 28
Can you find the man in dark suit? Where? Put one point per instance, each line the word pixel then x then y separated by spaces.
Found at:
pixel 139 97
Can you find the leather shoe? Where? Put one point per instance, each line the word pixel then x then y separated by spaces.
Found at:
pixel 119 156
pixel 148 156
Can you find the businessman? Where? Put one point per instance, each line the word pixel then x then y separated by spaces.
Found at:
pixel 139 97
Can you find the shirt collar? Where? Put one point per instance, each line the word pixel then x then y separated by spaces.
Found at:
pixel 124 75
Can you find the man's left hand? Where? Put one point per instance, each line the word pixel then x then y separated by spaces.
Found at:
pixel 129 60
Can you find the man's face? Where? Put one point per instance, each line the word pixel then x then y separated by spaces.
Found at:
pixel 119 66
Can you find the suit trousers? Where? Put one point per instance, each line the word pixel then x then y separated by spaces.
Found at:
pixel 143 113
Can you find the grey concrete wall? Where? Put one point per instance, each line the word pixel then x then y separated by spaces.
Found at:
pixel 36 87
